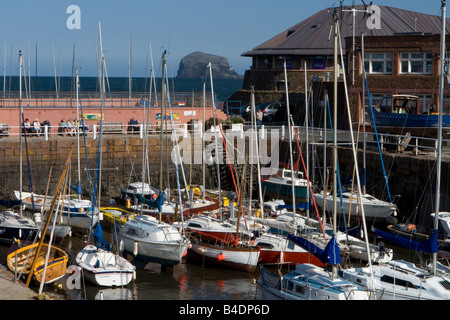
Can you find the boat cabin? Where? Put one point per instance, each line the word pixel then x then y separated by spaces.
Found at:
pixel 400 103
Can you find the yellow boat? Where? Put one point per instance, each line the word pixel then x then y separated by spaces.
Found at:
pixel 56 266
pixel 113 214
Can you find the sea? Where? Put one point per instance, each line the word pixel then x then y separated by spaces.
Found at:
pixel 223 88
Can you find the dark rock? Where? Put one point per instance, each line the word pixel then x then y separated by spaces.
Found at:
pixel 194 65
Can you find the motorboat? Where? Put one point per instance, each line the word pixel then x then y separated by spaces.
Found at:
pixel 150 240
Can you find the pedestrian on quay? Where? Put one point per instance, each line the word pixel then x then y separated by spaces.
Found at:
pixel 26 126
pixel 259 118
pixel 37 127
pixel 70 128
pixel 62 127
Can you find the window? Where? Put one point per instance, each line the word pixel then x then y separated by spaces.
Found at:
pixel 416 62
pixel 380 63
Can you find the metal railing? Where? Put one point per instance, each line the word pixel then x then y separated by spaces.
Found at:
pixel 317 136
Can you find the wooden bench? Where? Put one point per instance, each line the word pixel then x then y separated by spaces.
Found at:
pixel 112 127
pixel 4 130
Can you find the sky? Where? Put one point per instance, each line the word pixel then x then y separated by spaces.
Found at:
pixel 224 28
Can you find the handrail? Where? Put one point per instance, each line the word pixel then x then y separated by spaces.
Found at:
pixel 388 142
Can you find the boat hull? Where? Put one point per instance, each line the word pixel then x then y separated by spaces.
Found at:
pixel 104 268
pixel 237 258
pixel 416 124
pixel 158 252
pixel 56 267
pixel 283 190
pixel 373 209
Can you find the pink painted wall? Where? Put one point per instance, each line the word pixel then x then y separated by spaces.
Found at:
pixel 182 115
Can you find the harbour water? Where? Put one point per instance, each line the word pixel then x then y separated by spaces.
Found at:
pixel 186 281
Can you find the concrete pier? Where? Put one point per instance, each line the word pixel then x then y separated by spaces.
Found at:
pixel 11 290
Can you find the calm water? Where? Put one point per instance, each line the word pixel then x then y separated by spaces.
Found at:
pixel 186 281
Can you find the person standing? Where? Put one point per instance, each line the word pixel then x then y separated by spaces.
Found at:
pixel 259 118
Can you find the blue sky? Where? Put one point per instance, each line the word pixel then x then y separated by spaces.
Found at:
pixel 225 28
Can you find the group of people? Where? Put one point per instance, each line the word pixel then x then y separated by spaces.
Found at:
pixel 36 128
pixel 70 127
pixel 67 128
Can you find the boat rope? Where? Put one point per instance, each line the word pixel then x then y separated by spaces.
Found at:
pixel 307 178
pixel 337 172
pixel 378 141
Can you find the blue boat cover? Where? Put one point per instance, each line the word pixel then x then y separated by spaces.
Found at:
pixel 330 255
pixel 152 203
pixel 302 205
pixel 77 188
pixel 429 245
pixel 99 241
pixel 10 203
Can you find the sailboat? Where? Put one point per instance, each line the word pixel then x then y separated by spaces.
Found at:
pixel 404 280
pixel 223 250
pixel 101 266
pixel 44 263
pixel 15 225
pixel 76 212
pixel 307 281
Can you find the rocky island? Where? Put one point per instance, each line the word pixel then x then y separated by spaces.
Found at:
pixel 194 66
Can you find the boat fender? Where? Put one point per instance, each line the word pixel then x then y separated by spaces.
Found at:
pixel 135 248
pixel 128 203
pixel 20 233
pixel 121 246
pixel 220 257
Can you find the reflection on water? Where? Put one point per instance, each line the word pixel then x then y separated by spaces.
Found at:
pixel 185 281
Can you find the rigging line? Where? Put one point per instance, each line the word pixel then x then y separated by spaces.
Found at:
pixel 232 174
pixel 339 185
pixel 307 178
pixel 378 142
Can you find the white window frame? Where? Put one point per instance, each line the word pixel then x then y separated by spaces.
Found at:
pixel 372 57
pixel 410 58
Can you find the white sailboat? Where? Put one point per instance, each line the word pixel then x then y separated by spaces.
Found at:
pixel 404 280
pixel 307 281
pixel 104 268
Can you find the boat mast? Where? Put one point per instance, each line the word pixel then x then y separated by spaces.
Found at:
pixel 163 100
pixel 363 185
pixel 77 84
pixel 216 126
pixel 290 136
pixel 441 110
pixel 336 71
pixel 258 166
pixel 203 141
pixel 22 129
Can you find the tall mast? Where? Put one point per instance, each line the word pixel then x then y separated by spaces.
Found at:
pixel 290 136
pixel 336 71
pixel 441 110
pixel 22 129
pixel 77 83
